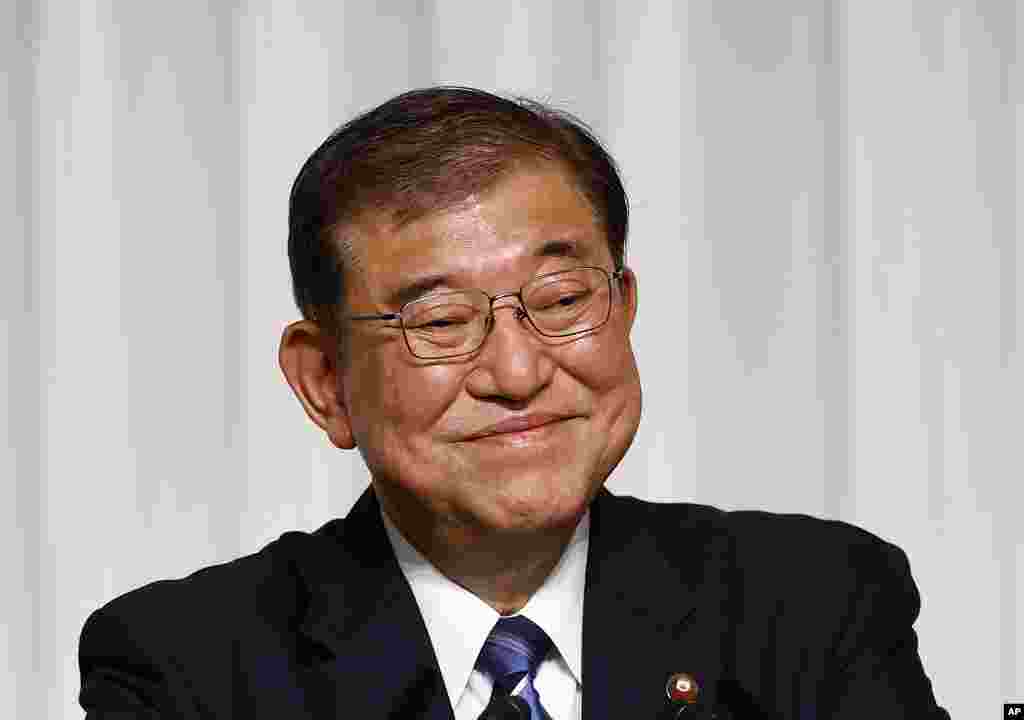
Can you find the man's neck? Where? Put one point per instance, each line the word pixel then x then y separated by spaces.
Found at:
pixel 502 569
pixel 504 573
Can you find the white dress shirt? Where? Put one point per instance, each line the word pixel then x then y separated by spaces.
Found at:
pixel 459 622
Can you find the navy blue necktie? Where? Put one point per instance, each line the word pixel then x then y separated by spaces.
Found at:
pixel 513 651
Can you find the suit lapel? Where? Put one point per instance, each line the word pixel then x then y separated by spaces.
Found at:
pixel 372 656
pixel 654 605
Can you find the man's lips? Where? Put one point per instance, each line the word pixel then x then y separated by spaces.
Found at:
pixel 518 423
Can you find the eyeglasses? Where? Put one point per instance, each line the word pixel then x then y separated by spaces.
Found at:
pixel 558 304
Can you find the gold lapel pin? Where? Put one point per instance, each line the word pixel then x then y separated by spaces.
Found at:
pixel 682 687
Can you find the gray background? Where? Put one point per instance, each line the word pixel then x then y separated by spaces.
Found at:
pixel 824 228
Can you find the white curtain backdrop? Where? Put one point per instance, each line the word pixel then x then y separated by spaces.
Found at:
pixel 825 231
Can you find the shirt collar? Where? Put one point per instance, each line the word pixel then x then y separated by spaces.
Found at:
pixel 459 622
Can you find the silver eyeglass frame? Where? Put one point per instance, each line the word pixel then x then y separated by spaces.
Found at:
pixel 521 311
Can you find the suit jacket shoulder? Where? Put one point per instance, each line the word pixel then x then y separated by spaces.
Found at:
pixel 315 625
pixel 171 639
pixel 818 614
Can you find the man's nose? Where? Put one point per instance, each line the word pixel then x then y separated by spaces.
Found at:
pixel 513 362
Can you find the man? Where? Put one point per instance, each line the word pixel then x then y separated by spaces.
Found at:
pixel 459 262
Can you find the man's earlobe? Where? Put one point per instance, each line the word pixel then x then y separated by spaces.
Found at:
pixel 311 370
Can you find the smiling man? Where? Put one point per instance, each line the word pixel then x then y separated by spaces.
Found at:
pixel 459 261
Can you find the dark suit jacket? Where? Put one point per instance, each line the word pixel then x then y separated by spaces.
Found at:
pixel 775 616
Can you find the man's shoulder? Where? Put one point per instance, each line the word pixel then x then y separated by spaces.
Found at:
pixel 789 575
pixel 745 524
pixel 767 546
pixel 264 587
pixel 798 546
pixel 174 641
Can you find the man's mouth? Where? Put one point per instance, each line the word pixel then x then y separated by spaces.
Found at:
pixel 519 425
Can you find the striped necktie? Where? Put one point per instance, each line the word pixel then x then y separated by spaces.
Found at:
pixel 511 656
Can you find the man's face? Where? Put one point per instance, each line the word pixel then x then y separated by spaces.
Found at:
pixel 417 422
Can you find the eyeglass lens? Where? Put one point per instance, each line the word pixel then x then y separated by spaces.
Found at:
pixel 559 304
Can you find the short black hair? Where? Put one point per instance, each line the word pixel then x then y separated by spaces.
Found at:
pixel 425 151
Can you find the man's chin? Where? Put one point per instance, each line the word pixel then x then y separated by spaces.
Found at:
pixel 536 511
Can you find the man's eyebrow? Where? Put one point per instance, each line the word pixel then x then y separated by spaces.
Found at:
pixel 418 288
pixel 559 248
pixel 425 284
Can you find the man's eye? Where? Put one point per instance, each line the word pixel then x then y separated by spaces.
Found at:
pixel 561 301
pixel 448 323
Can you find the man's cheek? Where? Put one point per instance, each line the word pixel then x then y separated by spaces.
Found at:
pixel 604 368
pixel 395 393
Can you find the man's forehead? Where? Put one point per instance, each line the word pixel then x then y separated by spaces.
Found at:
pixel 523 219
pixel 476 248
pixel 403 277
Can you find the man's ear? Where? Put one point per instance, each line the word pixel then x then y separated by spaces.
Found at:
pixel 629 296
pixel 310 365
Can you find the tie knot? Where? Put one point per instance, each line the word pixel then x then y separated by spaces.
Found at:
pixel 516 646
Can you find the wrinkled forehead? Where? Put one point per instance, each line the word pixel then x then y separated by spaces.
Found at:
pixel 524 222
